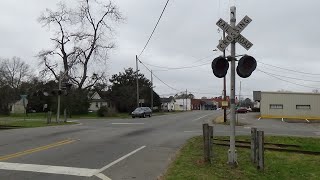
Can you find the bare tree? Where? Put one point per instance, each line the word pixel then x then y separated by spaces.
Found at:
pixel 13 72
pixel 316 91
pixel 82 37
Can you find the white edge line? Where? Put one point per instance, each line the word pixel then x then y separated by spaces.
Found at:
pixel 102 176
pixel 62 170
pixel 201 117
pixel 125 123
pixel 118 160
pixel 192 131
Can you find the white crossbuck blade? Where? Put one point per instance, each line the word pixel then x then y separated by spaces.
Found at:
pixel 234 34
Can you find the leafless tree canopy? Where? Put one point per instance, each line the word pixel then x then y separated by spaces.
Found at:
pixel 82 36
pixel 13 72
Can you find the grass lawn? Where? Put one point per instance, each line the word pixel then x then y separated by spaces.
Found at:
pixel 278 165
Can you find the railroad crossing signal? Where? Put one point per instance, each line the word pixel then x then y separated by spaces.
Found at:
pixel 234 33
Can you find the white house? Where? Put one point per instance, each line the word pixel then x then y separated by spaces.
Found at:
pixel 96 101
pixel 18 107
pixel 167 104
pixel 182 104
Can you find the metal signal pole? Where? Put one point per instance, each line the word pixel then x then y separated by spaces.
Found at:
pixel 232 156
pixel 137 76
pixel 224 86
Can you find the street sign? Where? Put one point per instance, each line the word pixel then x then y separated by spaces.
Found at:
pixel 244 42
pixel 224 103
pixel 234 33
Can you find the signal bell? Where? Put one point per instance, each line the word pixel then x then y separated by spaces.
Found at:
pixel 246 65
pixel 220 67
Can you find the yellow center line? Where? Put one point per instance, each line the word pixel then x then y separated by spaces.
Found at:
pixel 41 148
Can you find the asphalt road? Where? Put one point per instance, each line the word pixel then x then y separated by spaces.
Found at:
pixel 139 148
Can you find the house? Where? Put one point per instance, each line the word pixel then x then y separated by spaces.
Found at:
pixel 19 107
pixel 289 105
pixel 182 104
pixel 99 99
pixel 167 104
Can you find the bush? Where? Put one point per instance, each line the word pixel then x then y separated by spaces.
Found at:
pixel 103 111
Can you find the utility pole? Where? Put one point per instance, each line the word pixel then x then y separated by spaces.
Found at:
pixel 240 95
pixel 151 90
pixel 59 97
pixel 186 100
pixel 137 71
pixel 232 156
pixel 224 85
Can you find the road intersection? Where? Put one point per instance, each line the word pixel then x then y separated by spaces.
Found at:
pixel 139 148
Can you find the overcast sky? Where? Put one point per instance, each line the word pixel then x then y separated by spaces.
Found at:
pixel 284 34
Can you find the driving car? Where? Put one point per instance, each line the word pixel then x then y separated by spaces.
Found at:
pixel 242 110
pixel 141 112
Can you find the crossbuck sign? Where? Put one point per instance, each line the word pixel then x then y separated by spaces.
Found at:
pixel 234 33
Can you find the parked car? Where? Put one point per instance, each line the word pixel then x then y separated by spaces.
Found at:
pixel 249 109
pixel 242 110
pixel 141 112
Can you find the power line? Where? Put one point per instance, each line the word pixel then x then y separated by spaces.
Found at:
pixel 176 68
pixel 288 76
pixel 288 69
pixel 288 81
pixel 183 67
pixel 155 27
pixel 158 77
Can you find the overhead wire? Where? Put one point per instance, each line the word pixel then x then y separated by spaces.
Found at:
pixel 158 77
pixel 184 67
pixel 155 27
pixel 288 76
pixel 288 81
pixel 301 72
pixel 176 68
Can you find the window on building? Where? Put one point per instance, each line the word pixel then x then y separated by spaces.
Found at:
pixel 303 107
pixel 97 104
pixel 276 106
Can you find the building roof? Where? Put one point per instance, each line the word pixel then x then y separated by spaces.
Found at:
pixel 301 93
pixel 166 100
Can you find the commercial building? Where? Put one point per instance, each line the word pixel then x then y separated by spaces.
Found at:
pixel 293 105
pixel 203 104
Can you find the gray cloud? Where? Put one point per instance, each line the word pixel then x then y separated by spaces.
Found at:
pixel 284 33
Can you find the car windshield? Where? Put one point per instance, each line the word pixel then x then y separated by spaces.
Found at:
pixel 138 109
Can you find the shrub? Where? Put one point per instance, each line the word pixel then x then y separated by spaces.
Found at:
pixel 103 111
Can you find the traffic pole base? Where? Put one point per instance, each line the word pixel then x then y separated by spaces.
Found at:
pixel 232 162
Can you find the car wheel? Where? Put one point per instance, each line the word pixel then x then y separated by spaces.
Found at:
pixel 144 115
pixel 150 115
